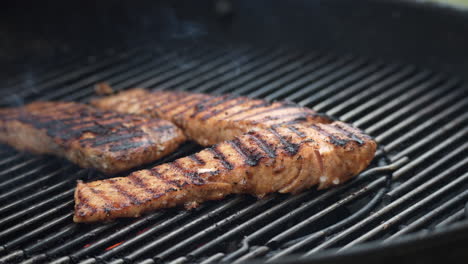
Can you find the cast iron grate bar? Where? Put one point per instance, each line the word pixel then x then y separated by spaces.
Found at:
pixel 63 80
pixel 117 80
pixel 229 77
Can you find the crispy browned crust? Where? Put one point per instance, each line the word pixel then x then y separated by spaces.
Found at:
pixel 108 141
pixel 209 119
pixel 286 159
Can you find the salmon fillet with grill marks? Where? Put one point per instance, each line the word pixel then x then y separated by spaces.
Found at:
pixel 285 159
pixel 108 141
pixel 209 119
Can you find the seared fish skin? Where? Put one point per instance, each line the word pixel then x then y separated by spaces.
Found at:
pixel 107 141
pixel 285 159
pixel 209 119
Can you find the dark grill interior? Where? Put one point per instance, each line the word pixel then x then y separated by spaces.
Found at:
pixel 417 182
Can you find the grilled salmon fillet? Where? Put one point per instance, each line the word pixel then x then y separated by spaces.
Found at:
pixel 108 141
pixel 208 119
pixel 285 159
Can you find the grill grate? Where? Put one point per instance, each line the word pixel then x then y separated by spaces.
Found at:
pixel 417 182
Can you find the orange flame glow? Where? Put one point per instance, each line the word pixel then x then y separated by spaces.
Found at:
pixel 114 246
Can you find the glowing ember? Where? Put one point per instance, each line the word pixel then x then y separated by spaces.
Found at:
pixel 114 246
pixel 142 231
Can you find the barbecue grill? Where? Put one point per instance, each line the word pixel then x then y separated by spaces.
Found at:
pixel 411 203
